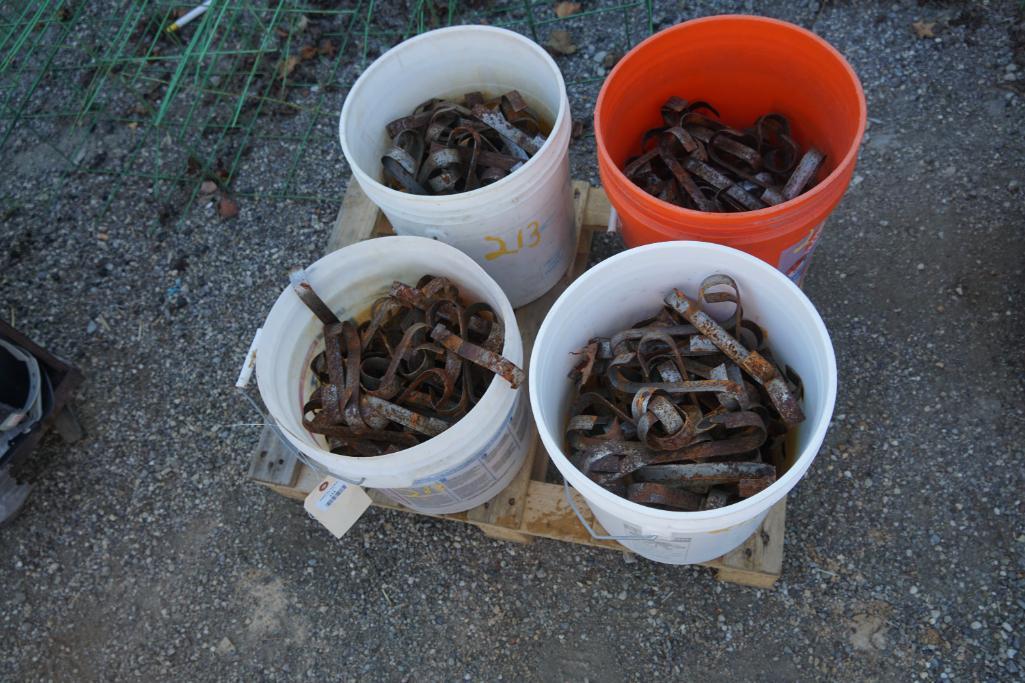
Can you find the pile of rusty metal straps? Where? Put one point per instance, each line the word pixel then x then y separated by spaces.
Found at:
pixel 446 147
pixel 403 375
pixel 697 162
pixel 682 412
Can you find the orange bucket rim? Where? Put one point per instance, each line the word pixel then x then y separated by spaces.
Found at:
pixel 737 219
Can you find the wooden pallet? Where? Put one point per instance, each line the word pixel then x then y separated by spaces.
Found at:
pixel 528 507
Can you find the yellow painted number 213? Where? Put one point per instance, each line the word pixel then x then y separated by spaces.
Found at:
pixel 533 231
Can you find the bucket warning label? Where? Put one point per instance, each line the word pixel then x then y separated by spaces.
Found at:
pixel 478 473
pixel 794 260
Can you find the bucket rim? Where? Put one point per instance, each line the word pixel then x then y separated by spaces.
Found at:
pixel 561 116
pixel 778 489
pixel 736 222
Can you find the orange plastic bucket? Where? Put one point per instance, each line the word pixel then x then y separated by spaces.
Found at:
pixel 745 66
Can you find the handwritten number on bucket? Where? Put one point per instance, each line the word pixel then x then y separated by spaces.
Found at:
pixel 413 493
pixel 533 232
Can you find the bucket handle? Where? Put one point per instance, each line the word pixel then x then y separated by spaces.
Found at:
pixel 242 384
pixel 613 225
pixel 594 534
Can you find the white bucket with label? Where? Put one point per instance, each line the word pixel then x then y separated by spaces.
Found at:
pixel 629 287
pixel 520 228
pixel 464 466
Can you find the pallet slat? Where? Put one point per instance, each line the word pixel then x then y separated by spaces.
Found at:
pixel 528 507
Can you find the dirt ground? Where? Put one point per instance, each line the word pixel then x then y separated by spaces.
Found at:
pixel 144 553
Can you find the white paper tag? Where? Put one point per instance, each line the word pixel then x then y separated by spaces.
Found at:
pixel 336 505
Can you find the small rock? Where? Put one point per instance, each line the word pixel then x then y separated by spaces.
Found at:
pixel 629 558
pixel 225 647
pixel 227 208
pixel 622 595
pixel 976 625
pixel 1013 185
pixel 208 187
pixel 90 327
pixel 920 266
pixel 934 539
pixel 868 633
pixel 540 573
pixel 599 56
pixel 1011 67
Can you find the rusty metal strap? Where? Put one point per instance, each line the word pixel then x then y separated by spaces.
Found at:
pixel 447 147
pixel 386 384
pixel 698 162
pixel 680 390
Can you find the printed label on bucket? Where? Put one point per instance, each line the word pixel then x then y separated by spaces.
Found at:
pixel 466 480
pixel 794 260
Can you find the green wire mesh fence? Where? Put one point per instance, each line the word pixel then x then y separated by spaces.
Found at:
pixel 246 95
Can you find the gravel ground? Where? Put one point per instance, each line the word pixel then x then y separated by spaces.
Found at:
pixel 144 552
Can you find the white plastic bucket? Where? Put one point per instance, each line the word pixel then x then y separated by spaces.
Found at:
pixel 464 466
pixel 520 228
pixel 629 287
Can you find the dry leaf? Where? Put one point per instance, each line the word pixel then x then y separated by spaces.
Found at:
pixel 578 129
pixel 560 43
pixel 227 208
pixel 924 29
pixel 611 59
pixel 288 66
pixel 307 52
pixel 282 33
pixel 327 48
pixel 565 9
pixel 208 187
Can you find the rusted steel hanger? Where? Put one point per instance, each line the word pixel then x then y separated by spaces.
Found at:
pixel 682 411
pixel 446 147
pixel 403 375
pixel 698 162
